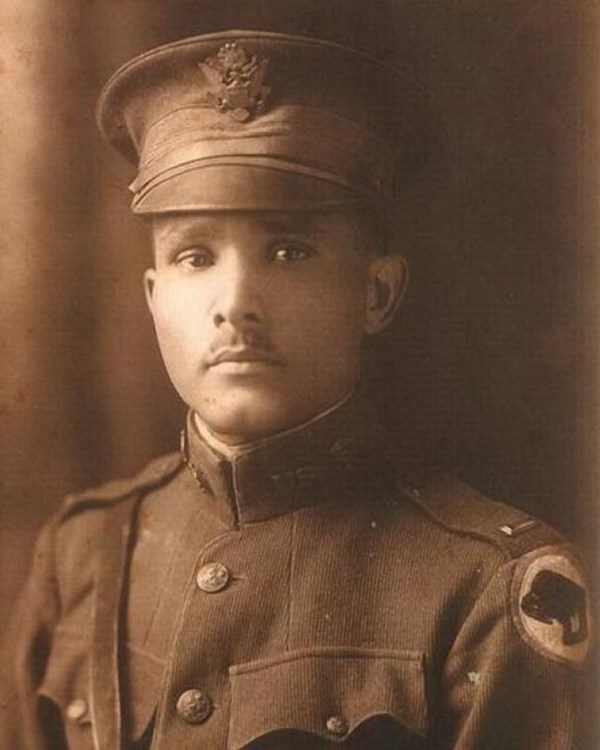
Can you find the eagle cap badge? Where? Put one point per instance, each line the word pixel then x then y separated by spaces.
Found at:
pixel 237 79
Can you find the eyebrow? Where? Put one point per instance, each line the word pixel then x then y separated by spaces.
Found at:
pixel 177 233
pixel 296 223
pixel 290 224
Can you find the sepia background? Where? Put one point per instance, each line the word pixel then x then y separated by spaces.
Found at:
pixel 491 367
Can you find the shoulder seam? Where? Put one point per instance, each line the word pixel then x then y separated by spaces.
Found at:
pixel 506 528
pixel 478 535
pixel 152 476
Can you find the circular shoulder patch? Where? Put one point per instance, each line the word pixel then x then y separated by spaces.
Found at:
pixel 550 604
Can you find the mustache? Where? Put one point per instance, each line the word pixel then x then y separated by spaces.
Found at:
pixel 251 342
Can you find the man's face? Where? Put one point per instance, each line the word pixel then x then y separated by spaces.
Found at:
pixel 259 316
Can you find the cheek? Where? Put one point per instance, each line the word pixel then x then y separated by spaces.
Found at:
pixel 340 301
pixel 329 318
pixel 178 320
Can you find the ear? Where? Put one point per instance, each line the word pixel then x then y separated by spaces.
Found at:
pixel 388 279
pixel 149 280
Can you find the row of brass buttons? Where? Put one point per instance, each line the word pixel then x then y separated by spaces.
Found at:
pixel 193 705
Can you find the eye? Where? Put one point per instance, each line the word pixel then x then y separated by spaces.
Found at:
pixel 291 253
pixel 194 258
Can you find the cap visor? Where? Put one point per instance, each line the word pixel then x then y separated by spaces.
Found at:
pixel 240 187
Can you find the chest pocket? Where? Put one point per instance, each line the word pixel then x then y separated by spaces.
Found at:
pixel 361 698
pixel 64 695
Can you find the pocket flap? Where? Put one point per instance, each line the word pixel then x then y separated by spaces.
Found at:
pixel 320 690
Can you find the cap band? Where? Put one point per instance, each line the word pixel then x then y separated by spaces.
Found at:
pixel 233 185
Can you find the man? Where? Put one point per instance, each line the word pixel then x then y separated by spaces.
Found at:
pixel 282 582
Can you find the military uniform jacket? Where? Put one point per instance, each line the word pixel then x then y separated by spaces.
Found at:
pixel 301 595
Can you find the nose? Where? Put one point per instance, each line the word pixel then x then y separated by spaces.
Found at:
pixel 238 301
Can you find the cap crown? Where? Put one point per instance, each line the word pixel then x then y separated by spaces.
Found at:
pixel 257 108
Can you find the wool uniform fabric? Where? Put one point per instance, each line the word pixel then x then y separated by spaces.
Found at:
pixel 297 595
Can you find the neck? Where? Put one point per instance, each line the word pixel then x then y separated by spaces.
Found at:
pixel 231 446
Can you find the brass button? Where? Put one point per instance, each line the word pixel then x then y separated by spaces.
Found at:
pixel 194 706
pixel 77 710
pixel 337 725
pixel 212 578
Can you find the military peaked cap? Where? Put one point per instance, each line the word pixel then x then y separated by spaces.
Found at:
pixel 255 120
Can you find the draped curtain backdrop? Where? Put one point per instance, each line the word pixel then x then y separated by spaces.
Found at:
pixel 492 364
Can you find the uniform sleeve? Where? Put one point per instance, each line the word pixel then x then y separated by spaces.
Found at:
pixel 25 649
pixel 516 675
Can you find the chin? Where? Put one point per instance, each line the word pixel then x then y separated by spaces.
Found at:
pixel 246 415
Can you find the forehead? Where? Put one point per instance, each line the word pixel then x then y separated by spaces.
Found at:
pixel 219 224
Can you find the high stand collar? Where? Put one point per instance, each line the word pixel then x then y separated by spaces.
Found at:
pixel 339 457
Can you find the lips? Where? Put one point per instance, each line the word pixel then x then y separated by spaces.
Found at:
pixel 243 354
